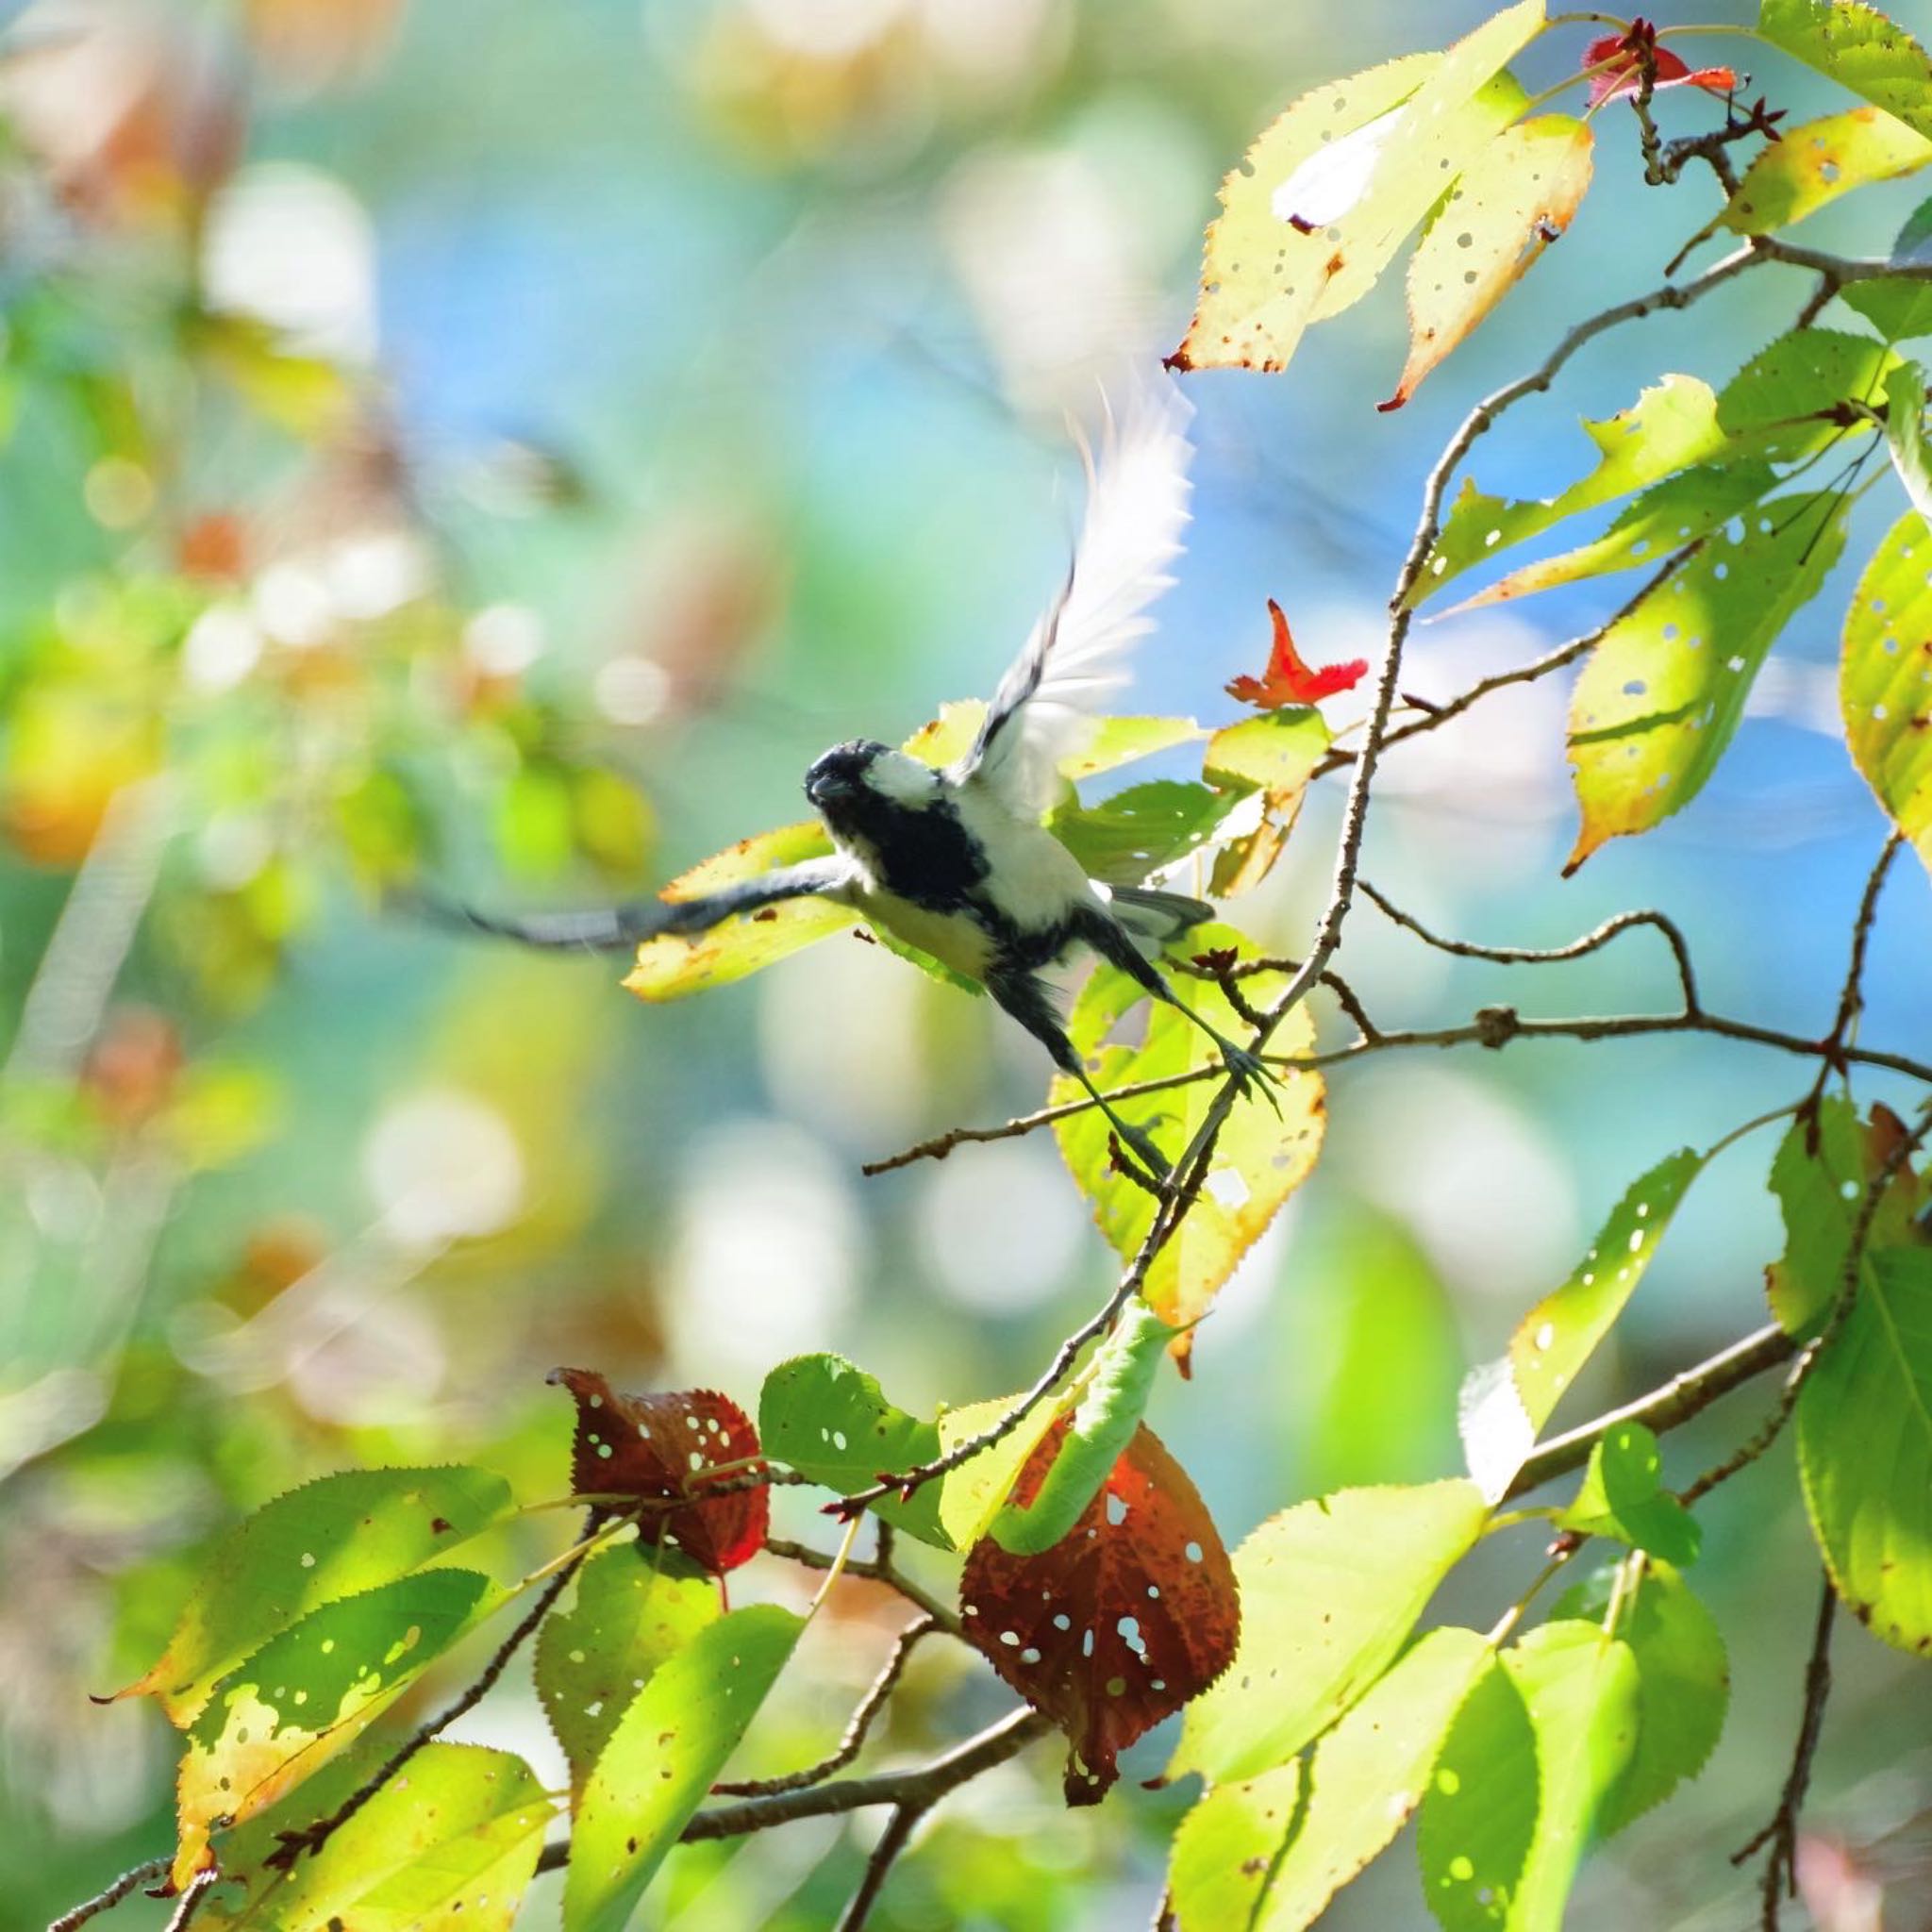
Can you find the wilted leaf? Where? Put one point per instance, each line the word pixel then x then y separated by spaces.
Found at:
pixel 1518 195
pixel 1266 1855
pixel 1865 1450
pixel 1621 58
pixel 1623 1496
pixel 592 1658
pixel 307 1691
pixel 1118 1624
pixel 1272 756
pixel 449 1846
pixel 1683 1684
pixel 1820 1175
pixel 1816 163
pixel 1662 692
pixel 1260 1158
pixel 1885 678
pixel 1288 680
pixel 1859 48
pixel 1331 1590
pixel 1505 1402
pixel 667 1448
pixel 1666 428
pixel 333 1538
pixel 830 1420
pixel 1479 1815
pixel 663 1758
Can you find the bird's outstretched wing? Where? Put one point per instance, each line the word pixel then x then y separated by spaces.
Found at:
pixel 1076 657
pixel 621 928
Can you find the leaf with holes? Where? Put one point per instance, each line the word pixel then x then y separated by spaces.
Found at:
pixel 1515 198
pixel 1820 1173
pixel 1118 1624
pixel 1816 163
pixel 452 1842
pixel 1865 1451
pixel 1667 429
pixel 1803 392
pixel 1289 682
pixel 1098 1433
pixel 1269 760
pixel 1885 678
pixel 1270 1852
pixel 667 1449
pixel 1138 831
pixel 1331 1590
pixel 1859 48
pixel 1661 694
pixel 666 1753
pixel 308 1690
pixel 1505 1402
pixel 332 1538
pixel 1326 195
pixel 1478 1816
pixel 1623 1496
pixel 1899 307
pixel 593 1659
pixel 830 1420
pixel 1266 1149
pixel 1683 1684
pixel 1905 433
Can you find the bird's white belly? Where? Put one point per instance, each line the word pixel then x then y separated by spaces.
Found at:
pixel 954 938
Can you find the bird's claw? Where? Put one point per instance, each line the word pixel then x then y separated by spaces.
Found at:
pixel 1251 1074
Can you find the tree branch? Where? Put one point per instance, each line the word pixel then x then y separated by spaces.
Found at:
pixel 880 1569
pixel 893 1840
pixel 105 1900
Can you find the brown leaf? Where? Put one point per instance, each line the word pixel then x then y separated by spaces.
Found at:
pixel 1130 1615
pixel 669 1447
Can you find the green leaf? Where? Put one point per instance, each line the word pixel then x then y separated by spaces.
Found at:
pixel 1479 1815
pixel 1518 195
pixel 308 1691
pixel 1137 831
pixel 1273 755
pixel 1665 429
pixel 1505 1402
pixel 973 1494
pixel 1885 678
pixel 1118 742
pixel 831 1421
pixel 1904 434
pixel 1331 1590
pixel 1788 402
pixel 1580 1690
pixel 1683 1684
pixel 592 1658
pixel 1816 162
pixel 1623 1496
pixel 1661 694
pixel 1859 48
pixel 332 1538
pixel 1103 1424
pixel 1820 1173
pixel 1265 1151
pixel 448 1846
pixel 1898 307
pixel 1865 1451
pixel 1270 1852
pixel 663 1758
pixel 1684 508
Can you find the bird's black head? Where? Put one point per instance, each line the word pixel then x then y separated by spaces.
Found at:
pixel 839 777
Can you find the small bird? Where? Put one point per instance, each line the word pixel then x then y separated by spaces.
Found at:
pixel 956 862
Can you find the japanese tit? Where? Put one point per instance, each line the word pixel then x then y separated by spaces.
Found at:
pixel 956 862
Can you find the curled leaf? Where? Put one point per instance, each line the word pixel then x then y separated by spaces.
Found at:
pixel 1288 680
pixel 1620 58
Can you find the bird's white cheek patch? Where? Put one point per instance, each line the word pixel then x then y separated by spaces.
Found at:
pixel 903 780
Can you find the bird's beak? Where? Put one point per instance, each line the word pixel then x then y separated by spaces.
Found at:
pixel 823 786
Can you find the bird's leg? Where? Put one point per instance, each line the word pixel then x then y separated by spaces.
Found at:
pixel 1027 1001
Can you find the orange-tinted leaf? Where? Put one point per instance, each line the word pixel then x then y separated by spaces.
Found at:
pixel 1130 1615
pixel 1626 53
pixel 1288 680
pixel 669 1447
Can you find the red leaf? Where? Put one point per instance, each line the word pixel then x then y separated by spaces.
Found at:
pixel 1288 680
pixel 1130 1615
pixel 1628 52
pixel 664 1447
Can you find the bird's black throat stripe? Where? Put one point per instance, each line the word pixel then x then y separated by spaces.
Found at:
pixel 922 855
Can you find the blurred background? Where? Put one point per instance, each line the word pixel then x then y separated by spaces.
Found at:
pixel 502 446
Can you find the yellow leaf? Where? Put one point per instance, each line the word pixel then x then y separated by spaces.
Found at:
pixel 1818 162
pixel 1518 196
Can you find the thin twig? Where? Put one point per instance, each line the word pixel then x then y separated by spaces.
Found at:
pixel 878 1569
pixel 105 1900
pixel 292 1844
pixel 853 1741
pixel 1781 1834
pixel 893 1840
pixel 193 1894
pixel 1851 1001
